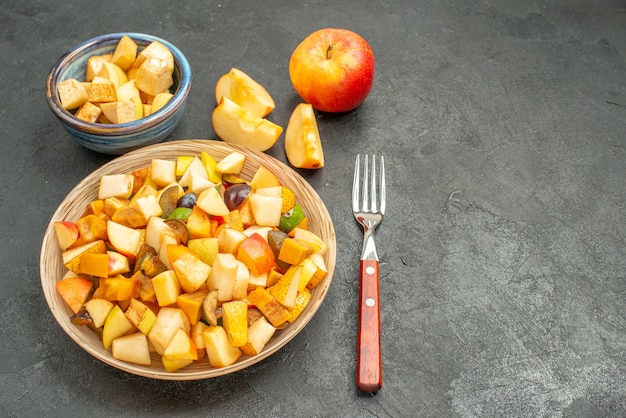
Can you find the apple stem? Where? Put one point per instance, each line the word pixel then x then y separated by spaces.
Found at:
pixel 329 51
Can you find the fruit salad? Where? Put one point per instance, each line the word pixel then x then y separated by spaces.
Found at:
pixel 186 261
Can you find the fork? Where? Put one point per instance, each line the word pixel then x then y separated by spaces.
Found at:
pixel 368 206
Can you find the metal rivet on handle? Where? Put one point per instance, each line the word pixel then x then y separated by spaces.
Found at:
pixel 370 270
pixel 370 302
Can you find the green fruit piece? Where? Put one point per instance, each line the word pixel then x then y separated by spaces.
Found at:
pixel 180 213
pixel 168 200
pixel 291 218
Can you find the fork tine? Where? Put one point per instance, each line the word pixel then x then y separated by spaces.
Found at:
pixel 365 207
pixel 383 196
pixel 356 184
pixel 374 185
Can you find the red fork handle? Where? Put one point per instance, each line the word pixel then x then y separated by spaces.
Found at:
pixel 369 364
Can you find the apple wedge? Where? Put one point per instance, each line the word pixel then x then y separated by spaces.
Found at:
pixel 246 92
pixel 98 309
pixel 116 185
pixel 115 326
pixel 303 145
pixel 232 163
pixel 66 233
pixel 124 239
pixel 75 291
pixel 169 321
pixel 220 351
pixel 259 333
pixel 234 124
pixel 133 348
pixel 212 203
pixel 222 276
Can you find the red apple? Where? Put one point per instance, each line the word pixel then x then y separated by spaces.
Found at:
pixel 332 69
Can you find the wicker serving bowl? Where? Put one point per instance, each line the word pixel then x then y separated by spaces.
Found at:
pixel 72 207
pixel 118 138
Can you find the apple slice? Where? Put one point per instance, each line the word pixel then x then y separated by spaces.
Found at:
pixel 75 291
pixel 222 276
pixel 169 321
pixel 133 348
pixel 263 177
pixel 212 203
pixel 163 172
pixel 125 53
pixel 114 73
pixel 140 315
pixel 232 163
pixel 191 272
pixel 116 325
pixel 259 333
pixel 220 351
pixel 181 347
pixel 118 263
pixel 240 284
pixel 229 240
pixel 166 287
pixel 234 124
pixel 124 239
pixel 303 145
pixel 256 254
pixel 246 92
pixel 127 91
pixel 98 309
pixel 266 209
pixel 195 168
pixel 116 185
pixel 66 233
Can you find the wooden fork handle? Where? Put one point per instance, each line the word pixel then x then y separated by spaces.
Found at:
pixel 369 376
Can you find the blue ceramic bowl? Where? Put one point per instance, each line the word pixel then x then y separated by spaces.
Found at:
pixel 117 139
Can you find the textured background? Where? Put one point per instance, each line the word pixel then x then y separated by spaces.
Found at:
pixel 503 126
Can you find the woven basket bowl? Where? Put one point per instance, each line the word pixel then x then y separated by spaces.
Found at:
pixel 71 208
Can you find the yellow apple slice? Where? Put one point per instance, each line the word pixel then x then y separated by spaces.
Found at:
pixel 232 163
pixel 98 309
pixel 160 100
pixel 115 326
pixel 169 321
pixel 234 124
pixel 133 348
pixel 259 333
pixel 114 73
pixel 246 92
pixel 125 53
pixel 212 203
pixel 124 239
pixel 220 351
pixel 121 111
pixel 303 145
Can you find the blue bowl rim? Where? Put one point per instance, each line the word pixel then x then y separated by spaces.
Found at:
pixel 118 129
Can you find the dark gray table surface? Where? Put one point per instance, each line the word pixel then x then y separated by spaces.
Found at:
pixel 503 283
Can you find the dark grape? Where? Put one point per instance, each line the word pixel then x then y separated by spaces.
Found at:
pixel 188 200
pixel 235 195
